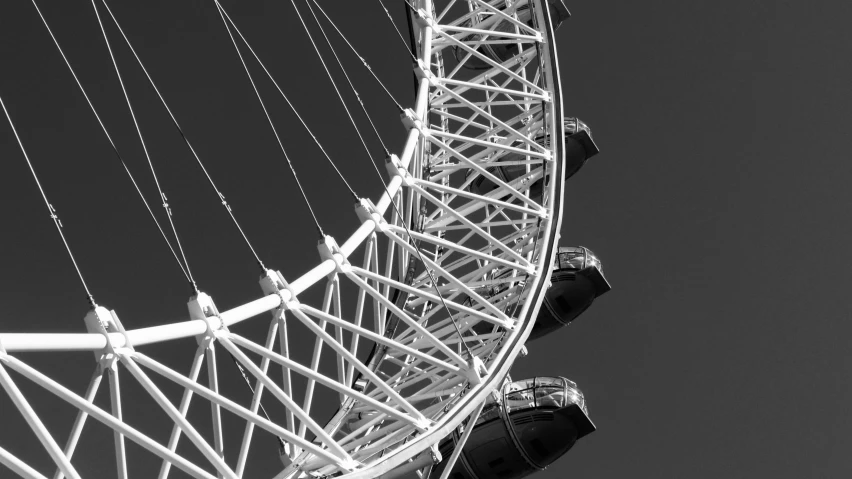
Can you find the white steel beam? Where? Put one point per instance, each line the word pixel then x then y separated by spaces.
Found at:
pixel 36 425
pixel 194 370
pixel 176 416
pixel 80 421
pixel 18 466
pixel 115 404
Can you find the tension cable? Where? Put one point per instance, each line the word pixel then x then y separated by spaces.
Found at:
pixel 363 61
pixel 271 124
pixel 186 140
pixel 145 149
pixel 50 207
pixel 111 142
pixel 281 92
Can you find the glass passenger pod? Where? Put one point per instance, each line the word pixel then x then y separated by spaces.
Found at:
pixel 500 52
pixel 534 422
pixel 576 281
pixel 579 147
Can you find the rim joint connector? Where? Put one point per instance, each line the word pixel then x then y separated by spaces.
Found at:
pixel 410 120
pixel 201 307
pixel 103 321
pixel 476 370
pixel 367 211
pixel 273 282
pixel 329 250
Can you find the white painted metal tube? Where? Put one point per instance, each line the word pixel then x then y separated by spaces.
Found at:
pixel 255 399
pixel 118 438
pixel 52 341
pixel 318 377
pixel 252 309
pixel 369 374
pixel 378 338
pixel 175 415
pixel 335 453
pixel 471 423
pixel 18 466
pixel 184 407
pixel 231 406
pixel 97 413
pixel 36 425
pixel 80 421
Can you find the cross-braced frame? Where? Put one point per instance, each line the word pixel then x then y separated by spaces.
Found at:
pixel 424 307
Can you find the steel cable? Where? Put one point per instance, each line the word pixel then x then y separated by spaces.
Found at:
pixel 363 61
pixel 349 80
pixel 281 92
pixel 111 142
pixel 271 124
pixel 50 207
pixel 186 140
pixel 145 149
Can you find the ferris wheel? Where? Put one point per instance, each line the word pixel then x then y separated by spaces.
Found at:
pixel 448 276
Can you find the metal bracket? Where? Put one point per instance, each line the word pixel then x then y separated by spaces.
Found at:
pixel 476 370
pixel 103 321
pixel 367 211
pixel 201 307
pixel 410 120
pixel 328 249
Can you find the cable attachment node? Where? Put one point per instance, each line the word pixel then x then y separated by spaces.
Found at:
pixel 421 70
pixel 273 282
pixel 476 370
pixel 424 19
pixel 329 250
pixel 393 165
pixel 395 168
pixel 201 307
pixel 410 120
pixel 104 321
pixel 367 211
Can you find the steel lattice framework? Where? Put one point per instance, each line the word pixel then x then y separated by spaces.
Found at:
pixel 448 283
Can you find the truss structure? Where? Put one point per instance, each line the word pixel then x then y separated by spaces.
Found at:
pixel 445 284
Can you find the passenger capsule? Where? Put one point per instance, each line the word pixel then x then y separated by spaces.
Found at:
pixel 576 281
pixel 579 147
pixel 532 423
pixel 500 52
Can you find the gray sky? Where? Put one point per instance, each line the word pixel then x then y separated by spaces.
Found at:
pixel 717 204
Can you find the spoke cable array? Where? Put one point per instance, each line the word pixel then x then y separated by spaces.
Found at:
pixel 363 61
pixel 111 142
pixel 185 139
pixel 331 78
pixel 224 13
pixel 348 80
pixel 271 123
pixel 145 149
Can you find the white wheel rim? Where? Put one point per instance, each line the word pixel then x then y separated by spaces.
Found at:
pixel 403 418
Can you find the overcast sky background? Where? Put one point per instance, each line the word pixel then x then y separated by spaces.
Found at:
pixel 718 205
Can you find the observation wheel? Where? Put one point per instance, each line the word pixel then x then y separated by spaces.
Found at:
pixel 445 277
